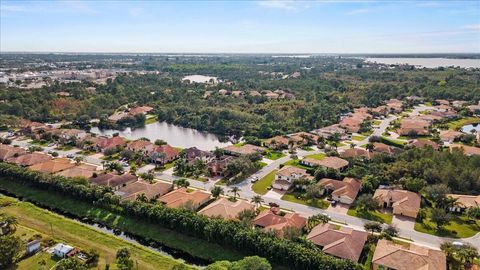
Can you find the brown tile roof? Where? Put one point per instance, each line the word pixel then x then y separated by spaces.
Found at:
pixel 181 196
pixel 467 150
pixel 169 151
pixel 384 148
pixel 53 166
pixel 111 142
pixel 344 243
pixel 413 257
pixel 356 152
pixel 287 171
pixel 300 137
pixel 328 162
pixel 279 140
pixel 449 135
pixel 29 159
pixel 139 145
pixel 225 208
pixel 403 200
pixel 130 191
pixel 349 187
pixel 7 151
pixel 113 180
pixel 244 149
pixel 82 170
pixel 139 110
pixel 466 201
pixel 421 143
pixel 271 221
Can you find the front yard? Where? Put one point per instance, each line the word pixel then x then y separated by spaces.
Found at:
pixel 459 227
pixel 291 197
pixel 371 215
pixel 274 155
pixel 262 185
pixel 296 163
pixel 318 156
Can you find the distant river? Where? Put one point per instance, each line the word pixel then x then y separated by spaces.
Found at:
pixel 428 62
pixel 173 135
pixel 468 128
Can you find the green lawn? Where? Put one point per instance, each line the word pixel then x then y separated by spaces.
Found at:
pixel 274 155
pixel 393 142
pixel 260 187
pixel 322 204
pixel 64 148
pixel 368 259
pixel 371 215
pixel 367 133
pixel 191 245
pixel 32 262
pixel 166 166
pixel 48 224
pixel 428 104
pixel 318 156
pixel 151 120
pixel 460 227
pixel 376 122
pixel 358 137
pixel 296 163
pixel 456 125
pixel 261 164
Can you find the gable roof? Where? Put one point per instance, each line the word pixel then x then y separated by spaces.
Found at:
pixel 344 242
pixel 225 208
pixel 29 159
pixel 179 197
pixel 421 143
pixel 329 162
pixel 169 151
pixel 412 257
pixel 112 180
pixel 138 145
pixel 349 187
pixel 287 171
pixel 466 201
pixel 272 221
pixel 403 200
pixel 245 149
pixel 111 142
pixel 130 191
pixel 82 170
pixel 7 151
pixel 53 166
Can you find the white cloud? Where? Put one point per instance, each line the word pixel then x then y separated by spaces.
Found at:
pixel 472 27
pixel 289 5
pixel 360 11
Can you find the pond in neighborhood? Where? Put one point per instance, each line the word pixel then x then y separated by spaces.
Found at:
pixel 428 62
pixel 172 134
pixel 468 128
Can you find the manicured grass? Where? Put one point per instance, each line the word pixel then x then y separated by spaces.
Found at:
pixel 274 155
pixel 64 148
pixel 318 203
pixel 318 156
pixel 371 215
pixel 33 261
pixel 260 187
pixel 393 142
pixel 179 149
pixel 261 164
pixel 61 229
pixel 428 104
pixel 358 137
pixel 368 260
pixel 367 133
pixel 460 227
pixel 296 163
pixel 194 246
pixel 166 166
pixel 458 124
pixel 307 148
pixel 376 122
pixel 151 120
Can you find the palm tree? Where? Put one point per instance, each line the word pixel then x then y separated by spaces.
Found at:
pixel 257 200
pixel 235 191
pixel 216 191
pixel 10 223
pixel 352 145
pixel 370 147
pixel 78 159
pixel 315 220
pixel 181 183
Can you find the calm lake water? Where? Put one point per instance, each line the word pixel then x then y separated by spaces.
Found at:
pixel 468 128
pixel 173 135
pixel 429 62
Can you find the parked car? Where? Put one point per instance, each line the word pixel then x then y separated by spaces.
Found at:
pixel 334 203
pixel 254 179
pixel 70 155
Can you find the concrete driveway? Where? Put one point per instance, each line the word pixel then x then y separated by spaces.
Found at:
pixel 340 208
pixel 274 194
pixel 403 223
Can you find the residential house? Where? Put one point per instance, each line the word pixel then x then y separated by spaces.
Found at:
pixel 394 105
pixel 193 153
pixel 357 153
pixel 277 142
pixel 103 143
pixel 33 246
pixel 140 110
pixel 237 94
pixel 62 250
pixel 304 138
pixel 254 93
pixel 182 197
pixel 28 127
pixel 29 159
pixel 53 165
pixel 285 177
pixel 150 190
pixel 475 109
pixel 272 220
pixel 226 209
pixel 402 202
pixel 245 149
pixel 422 143
pixel 82 170
pixel 114 181
pixel 7 151
pixel 389 255
pixel 386 149
pixel 271 95
pixel 71 135
pixel 327 132
pixel 442 102
pixel 335 163
pixel 459 103
pixel 449 136
pixel 463 202
pixel 217 166
pixel 164 154
pixel 222 92
pixel 413 127
pixel 467 150
pixel 344 191
pixel 141 146
pixel 343 242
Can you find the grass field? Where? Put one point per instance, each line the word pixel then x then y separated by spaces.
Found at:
pixel 458 124
pixel 260 187
pixel 296 163
pixel 274 155
pixel 358 137
pixel 318 156
pixel 460 227
pixel 151 120
pixel 35 220
pixel 318 203
pixel 371 215
pixel 194 246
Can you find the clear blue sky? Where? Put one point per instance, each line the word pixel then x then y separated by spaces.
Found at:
pixel 241 26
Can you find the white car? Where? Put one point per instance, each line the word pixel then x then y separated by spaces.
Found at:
pixel 254 179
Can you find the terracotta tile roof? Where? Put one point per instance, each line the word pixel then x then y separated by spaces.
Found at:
pixel 344 243
pixel 29 159
pixel 245 149
pixel 300 137
pixel 130 191
pixel 225 208
pixel 279 140
pixel 449 135
pixel 180 197
pixel 356 152
pixel 139 145
pixel 7 151
pixel 384 148
pixel 271 221
pixel 413 257
pixel 349 187
pixel 466 201
pixel 328 162
pixel 403 200
pixel 53 166
pixel 287 171
pixel 169 151
pixel 421 143
pixel 467 150
pixel 111 142
pixel 82 170
pixel 140 110
pixel 113 180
